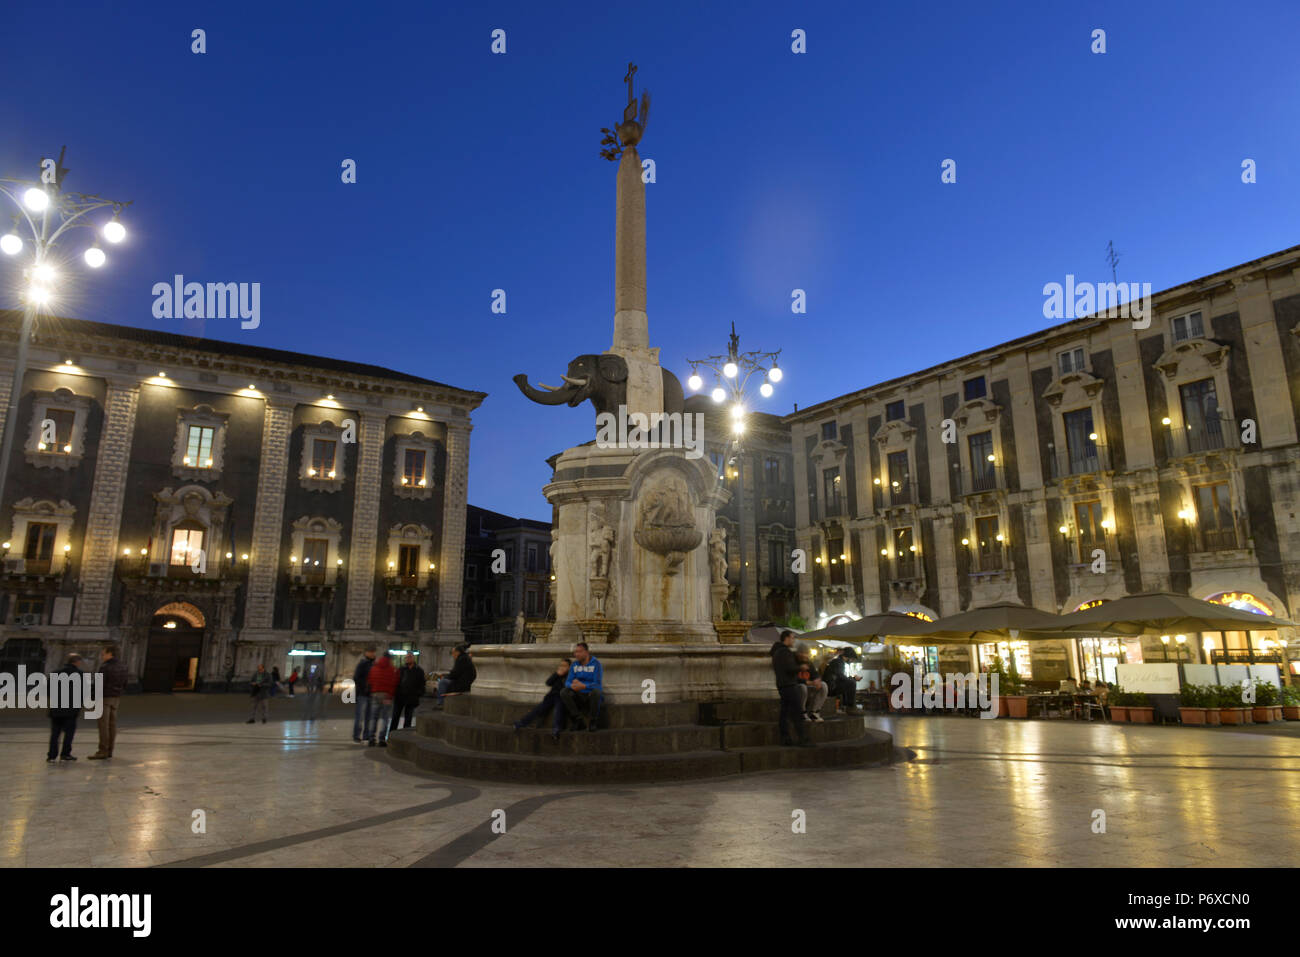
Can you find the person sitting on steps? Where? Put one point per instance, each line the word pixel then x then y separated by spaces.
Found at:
pixel 554 685
pixel 813 689
pixel 583 692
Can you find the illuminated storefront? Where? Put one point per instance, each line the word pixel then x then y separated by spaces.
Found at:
pixel 1008 651
pixel 927 657
pixel 1245 647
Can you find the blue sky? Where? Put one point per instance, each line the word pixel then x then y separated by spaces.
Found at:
pixel 774 170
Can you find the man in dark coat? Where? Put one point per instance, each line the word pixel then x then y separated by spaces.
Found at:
pixel 410 688
pixel 115 678
pixel 841 684
pixel 554 685
pixel 785 666
pixel 63 721
pixel 361 688
pixel 461 676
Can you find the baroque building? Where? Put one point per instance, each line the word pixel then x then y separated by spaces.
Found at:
pixel 1096 458
pixel 507 571
pixel 211 505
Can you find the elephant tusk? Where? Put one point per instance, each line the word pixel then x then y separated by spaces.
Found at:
pixel 548 388
pixel 578 382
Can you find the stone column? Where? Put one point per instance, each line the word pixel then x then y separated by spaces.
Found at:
pixel 450 564
pixel 264 562
pixel 1268 379
pixel 631 324
pixel 365 521
pixel 107 494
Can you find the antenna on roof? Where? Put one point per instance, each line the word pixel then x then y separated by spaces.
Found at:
pixel 1112 258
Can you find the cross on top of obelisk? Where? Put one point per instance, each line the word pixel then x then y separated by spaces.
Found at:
pixel 629 111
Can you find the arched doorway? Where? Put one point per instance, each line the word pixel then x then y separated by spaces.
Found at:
pixel 175 646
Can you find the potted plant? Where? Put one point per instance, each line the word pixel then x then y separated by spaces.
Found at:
pixel 1139 711
pixel 1011 702
pixel 1291 702
pixel 1229 701
pixel 1191 705
pixel 1265 700
pixel 1210 702
pixel 1118 699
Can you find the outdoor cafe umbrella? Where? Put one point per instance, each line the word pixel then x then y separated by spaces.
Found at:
pixel 996 622
pixel 876 628
pixel 1158 613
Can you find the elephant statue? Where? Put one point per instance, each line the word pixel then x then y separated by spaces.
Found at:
pixel 603 380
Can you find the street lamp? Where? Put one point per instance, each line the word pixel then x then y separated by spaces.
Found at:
pixel 731 374
pixel 48 213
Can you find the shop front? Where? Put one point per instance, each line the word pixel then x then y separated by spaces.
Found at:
pixel 1247 647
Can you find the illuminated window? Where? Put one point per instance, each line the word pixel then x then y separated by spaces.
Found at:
pixel 1087 518
pixel 322 457
pixel 198 447
pixel 186 544
pixel 988 550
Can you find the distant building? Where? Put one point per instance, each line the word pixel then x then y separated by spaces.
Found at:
pixel 520 548
pixel 1071 466
pixel 211 505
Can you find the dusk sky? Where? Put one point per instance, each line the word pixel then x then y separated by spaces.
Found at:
pixel 775 171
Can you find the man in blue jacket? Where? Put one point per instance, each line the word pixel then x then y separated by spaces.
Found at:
pixel 582 692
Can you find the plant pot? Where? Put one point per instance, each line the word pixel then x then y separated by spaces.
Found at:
pixel 1213 717
pixel 1262 714
pixel 1004 709
pixel 1291 712
pixel 1119 712
pixel 1247 717
pixel 1017 706
pixel 1230 715
pixel 1141 715
pixel 1192 715
pixel 1277 711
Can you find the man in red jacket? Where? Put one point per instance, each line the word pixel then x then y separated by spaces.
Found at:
pixel 382 682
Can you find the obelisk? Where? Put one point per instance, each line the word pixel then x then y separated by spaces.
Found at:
pixel 631 324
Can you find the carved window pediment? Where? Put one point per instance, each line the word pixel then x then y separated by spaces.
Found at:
pixel 976 413
pixel 827 452
pixel 1081 386
pixel 1191 351
pixel 897 432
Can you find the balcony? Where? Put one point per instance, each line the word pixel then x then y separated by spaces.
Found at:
pixel 832 507
pixel 1216 436
pixel 973 482
pixel 897 494
pixel 1084 461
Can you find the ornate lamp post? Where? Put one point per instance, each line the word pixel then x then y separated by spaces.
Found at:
pixel 732 373
pixel 44 214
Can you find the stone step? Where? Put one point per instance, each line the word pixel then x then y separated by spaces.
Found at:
pixel 473 735
pixel 431 754
pixel 493 710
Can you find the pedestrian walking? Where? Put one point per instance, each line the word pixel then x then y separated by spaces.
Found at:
pixel 293 680
pixel 315 691
pixel 63 720
pixel 115 678
pixel 260 689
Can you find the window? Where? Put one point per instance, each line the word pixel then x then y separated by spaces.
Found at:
pixel 408 561
pixel 1202 423
pixel 1071 360
pixel 835 548
pixel 413 468
pixel 831 489
pixel 1188 327
pixel 186 544
pixel 777 567
pixel 904 552
pixel 830 431
pixel 983 464
pixel 315 561
pixel 974 388
pixel 507 602
pixel 988 544
pixel 900 478
pixel 471 571
pixel 39 549
pixel 1214 516
pixel 772 471
pixel 510 558
pixel 895 410
pixel 532 558
pixel 530 603
pixel 60 441
pixel 1081 441
pixel 322 458
pixel 29 609
pixel 1087 518
pixel 198 447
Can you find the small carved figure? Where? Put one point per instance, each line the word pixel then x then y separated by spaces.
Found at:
pixel 602 545
pixel 718 555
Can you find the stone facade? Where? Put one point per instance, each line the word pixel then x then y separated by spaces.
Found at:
pixel 1094 459
pixel 209 506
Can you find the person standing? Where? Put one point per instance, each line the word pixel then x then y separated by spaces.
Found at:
pixel 361 717
pixel 315 690
pixel 293 680
pixel 275 681
pixel 63 721
pixel 410 688
pixel 115 678
pixel 785 666
pixel 382 680
pixel 260 689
